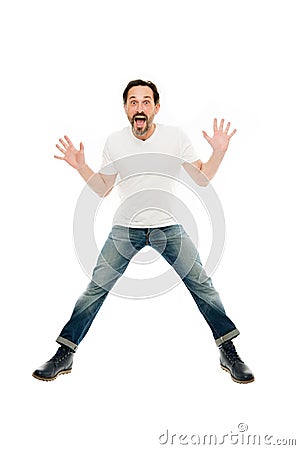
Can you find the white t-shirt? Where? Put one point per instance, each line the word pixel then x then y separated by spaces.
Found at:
pixel 148 172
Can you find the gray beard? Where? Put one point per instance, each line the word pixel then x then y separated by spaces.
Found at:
pixel 143 131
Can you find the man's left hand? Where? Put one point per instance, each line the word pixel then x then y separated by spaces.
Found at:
pixel 221 138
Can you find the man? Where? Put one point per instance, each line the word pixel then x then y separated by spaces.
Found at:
pixel 137 225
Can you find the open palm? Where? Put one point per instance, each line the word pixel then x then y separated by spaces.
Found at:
pixel 72 156
pixel 220 139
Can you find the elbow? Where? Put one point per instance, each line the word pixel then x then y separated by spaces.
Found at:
pixel 107 192
pixel 102 193
pixel 204 179
pixel 203 183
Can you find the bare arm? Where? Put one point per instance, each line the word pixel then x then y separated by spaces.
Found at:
pixel 102 184
pixel 201 172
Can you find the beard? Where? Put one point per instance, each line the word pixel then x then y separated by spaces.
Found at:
pixel 141 129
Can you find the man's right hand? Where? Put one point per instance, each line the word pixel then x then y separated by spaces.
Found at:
pixel 75 158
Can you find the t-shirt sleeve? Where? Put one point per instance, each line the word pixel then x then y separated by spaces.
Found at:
pixel 188 152
pixel 107 165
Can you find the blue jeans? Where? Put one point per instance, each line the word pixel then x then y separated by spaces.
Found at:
pixel 180 252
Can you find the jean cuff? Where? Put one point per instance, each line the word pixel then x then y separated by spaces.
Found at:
pixel 227 337
pixel 67 343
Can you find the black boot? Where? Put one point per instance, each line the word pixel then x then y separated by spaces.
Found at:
pixel 232 363
pixel 59 364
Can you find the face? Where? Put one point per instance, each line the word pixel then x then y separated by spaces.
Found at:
pixel 140 110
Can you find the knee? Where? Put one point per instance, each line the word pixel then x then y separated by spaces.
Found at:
pixel 93 289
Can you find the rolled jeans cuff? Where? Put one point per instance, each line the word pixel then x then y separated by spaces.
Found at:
pixel 67 343
pixel 227 337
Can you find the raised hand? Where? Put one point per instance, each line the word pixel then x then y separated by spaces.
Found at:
pixel 220 139
pixel 73 157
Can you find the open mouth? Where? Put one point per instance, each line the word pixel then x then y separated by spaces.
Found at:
pixel 140 120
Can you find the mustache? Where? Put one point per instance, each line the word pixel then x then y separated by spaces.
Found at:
pixel 140 116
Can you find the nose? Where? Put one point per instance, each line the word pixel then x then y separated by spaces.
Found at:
pixel 139 107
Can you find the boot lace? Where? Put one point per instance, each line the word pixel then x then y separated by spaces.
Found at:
pixel 231 353
pixel 61 354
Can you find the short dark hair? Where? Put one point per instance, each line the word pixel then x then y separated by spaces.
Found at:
pixel 141 83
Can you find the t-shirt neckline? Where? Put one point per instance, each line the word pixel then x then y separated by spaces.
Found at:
pixel 149 138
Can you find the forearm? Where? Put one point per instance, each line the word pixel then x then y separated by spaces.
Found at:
pixel 210 168
pixel 94 180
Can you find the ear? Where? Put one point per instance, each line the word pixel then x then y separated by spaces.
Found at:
pixel 157 108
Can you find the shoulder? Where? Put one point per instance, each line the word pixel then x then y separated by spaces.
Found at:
pixel 169 129
pixel 172 132
pixel 119 135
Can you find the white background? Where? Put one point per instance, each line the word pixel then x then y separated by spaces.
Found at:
pixel 148 366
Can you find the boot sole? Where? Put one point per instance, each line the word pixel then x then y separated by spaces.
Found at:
pixel 63 372
pixel 235 379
